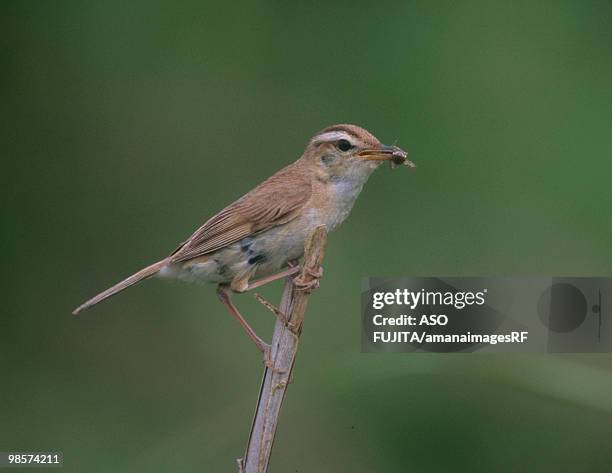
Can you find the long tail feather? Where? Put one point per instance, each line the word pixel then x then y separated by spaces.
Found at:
pixel 133 279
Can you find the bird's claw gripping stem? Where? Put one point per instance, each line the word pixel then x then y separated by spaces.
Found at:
pixel 309 281
pixel 267 359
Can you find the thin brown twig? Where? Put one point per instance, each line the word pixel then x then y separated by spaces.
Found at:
pixel 284 348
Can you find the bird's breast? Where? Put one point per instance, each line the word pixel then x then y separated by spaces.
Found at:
pixel 336 202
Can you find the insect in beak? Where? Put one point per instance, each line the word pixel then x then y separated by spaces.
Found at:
pixel 396 156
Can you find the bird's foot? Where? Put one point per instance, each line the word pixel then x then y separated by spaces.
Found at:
pixel 309 281
pixel 267 359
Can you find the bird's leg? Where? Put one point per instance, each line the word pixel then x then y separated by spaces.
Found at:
pixel 224 297
pixel 233 310
pixel 293 269
pixel 275 310
pixel 274 277
pixel 242 285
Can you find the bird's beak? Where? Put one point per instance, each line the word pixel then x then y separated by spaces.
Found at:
pixel 387 153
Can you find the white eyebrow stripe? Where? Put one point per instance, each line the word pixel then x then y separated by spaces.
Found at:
pixel 333 136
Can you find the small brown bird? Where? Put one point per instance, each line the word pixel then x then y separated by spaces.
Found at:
pixel 262 234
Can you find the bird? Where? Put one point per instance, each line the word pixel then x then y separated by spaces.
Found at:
pixel 260 237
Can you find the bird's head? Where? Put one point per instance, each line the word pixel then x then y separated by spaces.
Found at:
pixel 349 150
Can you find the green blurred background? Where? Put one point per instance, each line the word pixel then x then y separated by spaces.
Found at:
pixel 126 124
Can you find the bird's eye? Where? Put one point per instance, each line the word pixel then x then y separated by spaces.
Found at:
pixel 344 145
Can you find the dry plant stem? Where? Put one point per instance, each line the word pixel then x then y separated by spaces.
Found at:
pixel 283 351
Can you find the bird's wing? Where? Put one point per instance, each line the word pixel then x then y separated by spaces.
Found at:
pixel 274 202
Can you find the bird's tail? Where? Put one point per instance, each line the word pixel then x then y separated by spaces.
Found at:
pixel 133 279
